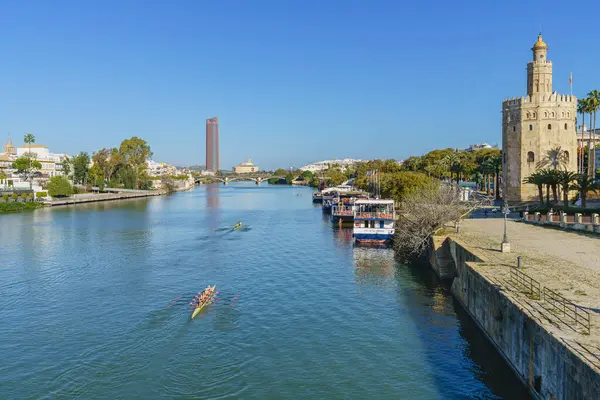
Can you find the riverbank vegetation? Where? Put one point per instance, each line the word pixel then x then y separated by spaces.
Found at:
pixel 19 206
pixel 122 167
pixel 59 186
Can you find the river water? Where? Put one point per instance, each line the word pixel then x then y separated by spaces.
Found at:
pixel 94 304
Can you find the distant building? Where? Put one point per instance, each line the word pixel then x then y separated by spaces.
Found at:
pixel 9 147
pixel 212 144
pixel 324 165
pixel 52 164
pixel 534 124
pixel 480 146
pixel 245 168
pixel 160 168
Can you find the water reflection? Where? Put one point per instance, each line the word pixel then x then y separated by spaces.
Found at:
pixel 373 266
pixel 213 203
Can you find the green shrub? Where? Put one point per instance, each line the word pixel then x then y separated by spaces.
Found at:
pixel 11 207
pixel 5 197
pixel 59 186
pixel 14 196
pixel 24 196
pixel 41 194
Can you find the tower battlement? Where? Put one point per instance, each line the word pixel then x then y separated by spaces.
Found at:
pixel 540 98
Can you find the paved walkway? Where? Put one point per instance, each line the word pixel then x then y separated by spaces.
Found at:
pixel 567 262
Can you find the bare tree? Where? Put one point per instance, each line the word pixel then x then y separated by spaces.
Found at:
pixel 426 211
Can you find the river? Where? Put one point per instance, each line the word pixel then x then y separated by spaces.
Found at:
pixel 94 304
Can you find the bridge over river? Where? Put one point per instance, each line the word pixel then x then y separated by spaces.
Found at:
pixel 257 178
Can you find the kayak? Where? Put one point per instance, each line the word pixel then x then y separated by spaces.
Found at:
pixel 237 227
pixel 201 307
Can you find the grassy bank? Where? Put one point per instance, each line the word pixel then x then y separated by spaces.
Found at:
pixel 14 207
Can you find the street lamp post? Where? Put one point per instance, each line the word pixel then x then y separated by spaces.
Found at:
pixel 505 247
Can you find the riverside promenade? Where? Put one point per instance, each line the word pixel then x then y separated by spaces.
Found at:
pixel 544 317
pixel 119 194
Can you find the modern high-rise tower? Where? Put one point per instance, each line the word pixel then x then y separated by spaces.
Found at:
pixel 212 144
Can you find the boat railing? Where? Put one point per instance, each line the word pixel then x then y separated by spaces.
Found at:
pixel 343 210
pixel 374 215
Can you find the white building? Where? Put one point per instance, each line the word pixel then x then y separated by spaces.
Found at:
pixel 160 168
pixel 52 164
pixel 324 165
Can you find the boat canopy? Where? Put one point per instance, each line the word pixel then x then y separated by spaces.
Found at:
pixel 373 201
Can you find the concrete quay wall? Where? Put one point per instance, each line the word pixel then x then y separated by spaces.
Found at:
pixel 102 197
pixel 542 361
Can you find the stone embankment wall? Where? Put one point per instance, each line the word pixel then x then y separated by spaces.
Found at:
pixel 543 362
pixel 89 198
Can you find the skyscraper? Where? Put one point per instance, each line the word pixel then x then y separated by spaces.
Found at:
pixel 212 144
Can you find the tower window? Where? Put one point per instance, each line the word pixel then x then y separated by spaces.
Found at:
pixel 545 114
pixel 530 127
pixel 534 115
pixel 514 128
pixel 565 126
pixel 530 156
pixel 549 126
pixel 566 156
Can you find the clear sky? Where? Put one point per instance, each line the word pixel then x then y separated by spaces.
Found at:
pixel 292 81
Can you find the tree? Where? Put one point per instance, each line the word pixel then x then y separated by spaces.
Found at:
pixel 582 108
pixel 115 160
pixel 29 139
pixel 495 164
pixel 425 211
pixel 97 176
pixel 100 159
pixel 27 167
pixel 135 153
pixel 584 185
pixel 59 186
pixel 537 179
pixel 594 103
pixel 66 166
pixel 565 179
pixel 81 164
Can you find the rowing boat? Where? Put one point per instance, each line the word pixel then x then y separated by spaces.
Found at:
pixel 206 302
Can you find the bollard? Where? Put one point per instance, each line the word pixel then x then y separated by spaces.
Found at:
pixel 519 265
pixel 595 219
pixel 549 216
pixel 536 217
pixel 526 216
pixel 577 218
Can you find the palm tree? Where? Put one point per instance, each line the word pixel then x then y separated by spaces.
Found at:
pixel 582 109
pixel 585 184
pixel 453 161
pixel 551 180
pixel 537 179
pixel 565 179
pixel 594 102
pixel 555 158
pixel 486 170
pixel 495 164
pixel 29 139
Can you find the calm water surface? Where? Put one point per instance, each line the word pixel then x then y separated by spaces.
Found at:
pixel 93 304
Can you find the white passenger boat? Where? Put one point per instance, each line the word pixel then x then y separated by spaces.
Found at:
pixel 374 221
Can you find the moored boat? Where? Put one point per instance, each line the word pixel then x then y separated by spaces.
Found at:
pixel 343 210
pixel 206 302
pixel 374 221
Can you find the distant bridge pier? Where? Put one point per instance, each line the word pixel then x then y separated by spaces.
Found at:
pixel 259 180
pixel 225 181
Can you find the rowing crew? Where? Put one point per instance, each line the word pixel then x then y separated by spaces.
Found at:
pixel 201 297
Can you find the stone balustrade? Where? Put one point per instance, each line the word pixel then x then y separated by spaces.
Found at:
pixel 579 222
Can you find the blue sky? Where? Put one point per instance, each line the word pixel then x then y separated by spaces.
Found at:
pixel 291 81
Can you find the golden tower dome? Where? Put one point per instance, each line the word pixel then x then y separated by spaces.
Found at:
pixel 540 43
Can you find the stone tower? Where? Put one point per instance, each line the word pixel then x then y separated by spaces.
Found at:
pixel 9 147
pixel 533 125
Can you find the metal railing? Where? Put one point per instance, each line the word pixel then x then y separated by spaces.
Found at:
pixel 377 215
pixel 529 286
pixel 567 308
